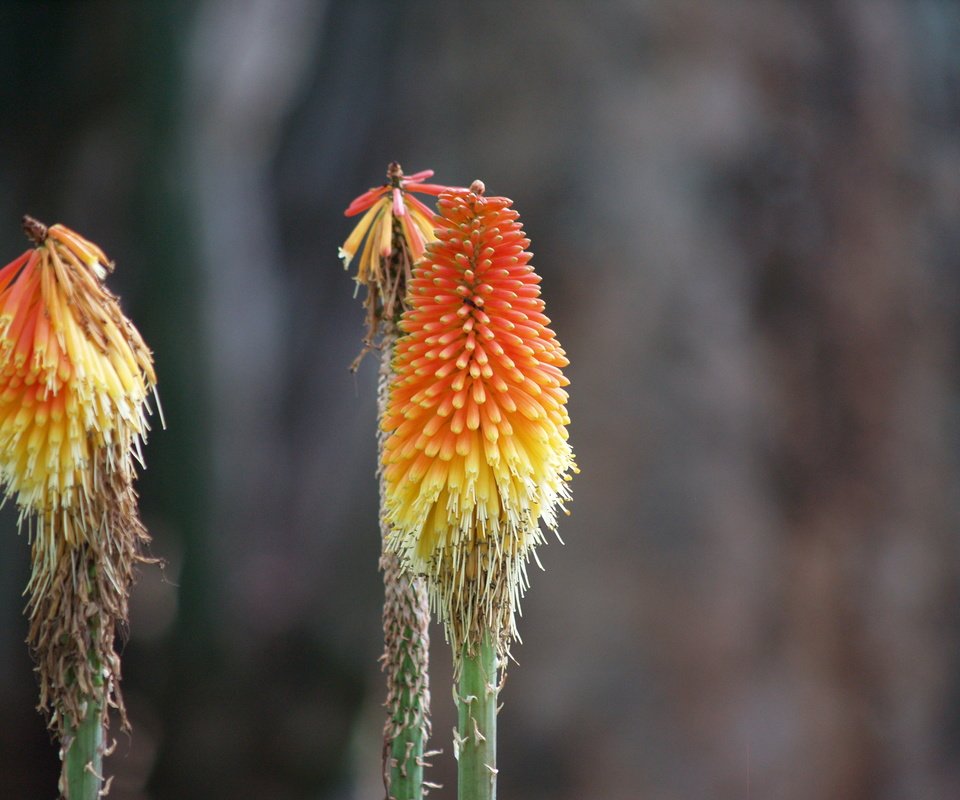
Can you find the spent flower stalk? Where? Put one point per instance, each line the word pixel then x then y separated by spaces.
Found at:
pixel 390 237
pixel 75 384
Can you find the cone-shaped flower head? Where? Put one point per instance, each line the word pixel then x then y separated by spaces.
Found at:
pixel 477 454
pixel 74 373
pixel 75 377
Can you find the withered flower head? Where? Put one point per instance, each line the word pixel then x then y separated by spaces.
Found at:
pixel 477 454
pixel 75 379
pixel 393 233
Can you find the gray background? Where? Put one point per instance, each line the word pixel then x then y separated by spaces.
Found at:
pixel 746 217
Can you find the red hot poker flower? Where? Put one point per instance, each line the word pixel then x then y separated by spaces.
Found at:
pixel 75 380
pixel 478 451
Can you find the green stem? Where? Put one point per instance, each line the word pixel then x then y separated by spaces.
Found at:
pixel 83 762
pixel 406 639
pixel 477 729
pixel 406 747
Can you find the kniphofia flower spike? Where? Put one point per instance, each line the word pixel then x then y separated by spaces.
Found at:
pixel 75 374
pixel 477 454
pixel 75 380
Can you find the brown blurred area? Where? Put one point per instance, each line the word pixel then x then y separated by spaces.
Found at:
pixel 746 217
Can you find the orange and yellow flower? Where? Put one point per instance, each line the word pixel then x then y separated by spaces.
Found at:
pixel 75 380
pixel 74 376
pixel 477 453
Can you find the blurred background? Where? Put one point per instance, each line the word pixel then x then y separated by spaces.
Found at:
pixel 746 217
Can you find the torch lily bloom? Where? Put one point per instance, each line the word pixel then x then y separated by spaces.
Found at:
pixel 477 453
pixel 75 380
pixel 74 375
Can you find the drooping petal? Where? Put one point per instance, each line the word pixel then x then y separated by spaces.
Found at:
pixel 350 247
pixel 399 209
pixel 414 236
pixel 416 205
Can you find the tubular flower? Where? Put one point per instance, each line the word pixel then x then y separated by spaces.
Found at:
pixel 75 377
pixel 477 454
pixel 393 233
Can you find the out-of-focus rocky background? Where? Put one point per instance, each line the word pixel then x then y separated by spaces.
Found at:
pixel 746 217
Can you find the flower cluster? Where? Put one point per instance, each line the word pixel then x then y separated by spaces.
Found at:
pixel 390 237
pixel 74 375
pixel 75 380
pixel 477 453
pixel 384 205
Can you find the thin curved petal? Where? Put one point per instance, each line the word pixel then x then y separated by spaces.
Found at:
pixel 364 201
pixel 352 245
pixel 416 177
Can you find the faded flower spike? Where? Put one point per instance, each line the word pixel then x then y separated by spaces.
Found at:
pixel 393 232
pixel 74 373
pixel 385 269
pixel 477 453
pixel 384 204
pixel 75 379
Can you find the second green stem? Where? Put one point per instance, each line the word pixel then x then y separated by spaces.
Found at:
pixel 83 761
pixel 477 723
